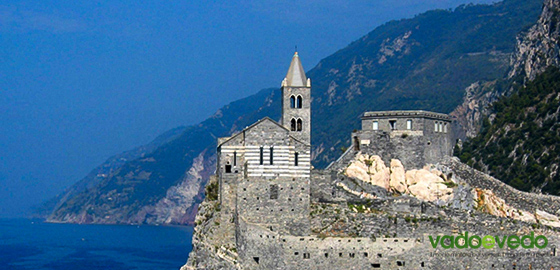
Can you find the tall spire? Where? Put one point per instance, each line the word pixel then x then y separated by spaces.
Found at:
pixel 296 74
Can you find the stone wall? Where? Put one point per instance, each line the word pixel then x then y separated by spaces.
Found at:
pixel 282 205
pixel 518 199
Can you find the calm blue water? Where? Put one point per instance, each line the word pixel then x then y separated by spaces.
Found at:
pixel 28 244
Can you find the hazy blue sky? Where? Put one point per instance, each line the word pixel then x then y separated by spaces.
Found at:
pixel 83 80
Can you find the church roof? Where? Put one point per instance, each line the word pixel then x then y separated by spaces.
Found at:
pixel 296 74
pixel 265 119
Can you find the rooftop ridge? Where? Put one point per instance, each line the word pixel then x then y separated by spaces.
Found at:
pixel 420 113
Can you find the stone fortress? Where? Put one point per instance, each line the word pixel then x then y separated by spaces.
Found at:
pixel 272 210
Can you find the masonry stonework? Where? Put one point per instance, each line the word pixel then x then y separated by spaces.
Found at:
pixel 274 212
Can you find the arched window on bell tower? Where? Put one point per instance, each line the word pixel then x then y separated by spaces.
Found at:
pixel 296 89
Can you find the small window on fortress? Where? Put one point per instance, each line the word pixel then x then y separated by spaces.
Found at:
pixel 365 254
pixel 293 125
pixel 400 263
pixel 376 265
pixel 292 102
pixel 306 255
pixel 261 161
pixel 351 255
pixel 234 158
pixel 393 124
pixel 375 125
pixel 435 126
pixel 296 159
pixel 409 124
pixel 273 192
pixel 228 168
pixel 271 155
pixel 445 128
pixel 299 102
pixel 299 125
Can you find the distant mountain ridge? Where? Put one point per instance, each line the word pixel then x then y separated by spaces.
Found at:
pixel 421 63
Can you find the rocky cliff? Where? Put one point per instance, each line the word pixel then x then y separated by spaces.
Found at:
pixel 537 48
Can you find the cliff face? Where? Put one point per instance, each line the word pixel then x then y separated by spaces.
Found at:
pixel 538 48
pixel 518 143
pixel 424 62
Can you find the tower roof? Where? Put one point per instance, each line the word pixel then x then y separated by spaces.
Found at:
pixel 296 74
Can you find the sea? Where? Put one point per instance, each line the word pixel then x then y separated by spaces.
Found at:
pixel 33 244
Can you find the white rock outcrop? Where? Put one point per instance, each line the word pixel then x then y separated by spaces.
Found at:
pixel 424 184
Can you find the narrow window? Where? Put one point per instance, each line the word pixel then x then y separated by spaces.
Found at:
pixel 292 102
pixel 293 125
pixel 261 162
pixel 408 124
pixel 445 128
pixel 365 254
pixel 234 158
pixel 228 168
pixel 306 256
pixel 376 265
pixel 326 255
pixel 351 255
pixel 356 143
pixel 393 124
pixel 271 155
pixel 375 125
pixel 299 102
pixel 273 192
pixel 299 125
pixel 435 126
pixel 296 159
pixel 440 127
pixel 400 263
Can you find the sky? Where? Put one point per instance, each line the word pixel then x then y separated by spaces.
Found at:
pixel 81 81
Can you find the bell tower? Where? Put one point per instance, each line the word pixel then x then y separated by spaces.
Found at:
pixel 296 102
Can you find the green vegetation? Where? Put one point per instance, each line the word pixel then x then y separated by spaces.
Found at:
pixel 212 191
pixel 521 146
pixel 450 184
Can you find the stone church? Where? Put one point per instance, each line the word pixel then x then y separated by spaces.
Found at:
pixel 273 211
pixel 264 171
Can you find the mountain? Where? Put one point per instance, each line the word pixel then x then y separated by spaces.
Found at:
pixel 519 139
pixel 425 62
